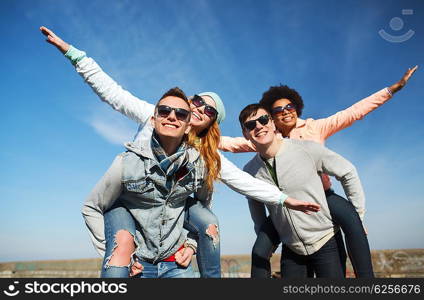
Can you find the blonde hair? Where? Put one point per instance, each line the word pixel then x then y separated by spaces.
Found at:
pixel 208 149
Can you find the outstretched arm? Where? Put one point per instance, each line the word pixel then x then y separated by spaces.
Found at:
pixel 251 187
pixel 342 119
pixel 102 84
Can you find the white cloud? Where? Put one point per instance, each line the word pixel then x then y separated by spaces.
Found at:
pixel 112 126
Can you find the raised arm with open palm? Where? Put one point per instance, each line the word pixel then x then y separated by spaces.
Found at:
pixel 53 39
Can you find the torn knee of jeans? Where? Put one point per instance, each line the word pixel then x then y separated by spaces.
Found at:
pixel 213 232
pixel 116 244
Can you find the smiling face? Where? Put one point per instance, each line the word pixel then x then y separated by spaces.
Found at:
pixel 286 119
pixel 171 126
pixel 199 120
pixel 261 134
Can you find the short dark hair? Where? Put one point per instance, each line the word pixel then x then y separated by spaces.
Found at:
pixel 249 111
pixel 275 93
pixel 175 92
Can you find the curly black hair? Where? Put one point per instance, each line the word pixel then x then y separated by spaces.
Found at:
pixel 275 93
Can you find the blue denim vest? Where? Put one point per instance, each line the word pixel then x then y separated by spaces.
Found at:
pixel 158 212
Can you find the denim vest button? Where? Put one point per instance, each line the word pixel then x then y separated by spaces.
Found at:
pixel 163 222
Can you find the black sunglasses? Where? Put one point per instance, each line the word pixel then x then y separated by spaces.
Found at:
pixel 210 111
pixel 279 109
pixel 181 113
pixel 250 125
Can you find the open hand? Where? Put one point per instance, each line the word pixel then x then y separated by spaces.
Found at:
pixel 306 207
pixel 402 82
pixel 54 39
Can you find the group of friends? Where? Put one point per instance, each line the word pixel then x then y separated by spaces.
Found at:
pixel 151 211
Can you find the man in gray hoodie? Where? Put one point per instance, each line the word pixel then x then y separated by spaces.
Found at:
pixel 294 166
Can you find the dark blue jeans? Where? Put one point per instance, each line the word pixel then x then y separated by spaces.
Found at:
pixel 343 214
pixel 198 218
pixel 325 263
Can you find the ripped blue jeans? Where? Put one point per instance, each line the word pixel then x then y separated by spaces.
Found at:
pixel 199 220
pixel 202 222
pixel 116 218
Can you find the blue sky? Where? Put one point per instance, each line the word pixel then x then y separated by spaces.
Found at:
pixel 58 138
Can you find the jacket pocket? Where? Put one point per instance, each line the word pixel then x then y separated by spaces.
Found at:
pixel 139 186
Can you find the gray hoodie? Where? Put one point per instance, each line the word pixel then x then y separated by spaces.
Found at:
pixel 298 164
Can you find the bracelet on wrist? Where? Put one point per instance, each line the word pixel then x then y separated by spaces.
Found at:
pixel 188 245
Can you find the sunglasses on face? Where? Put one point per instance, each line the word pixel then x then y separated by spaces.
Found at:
pixel 164 111
pixel 279 109
pixel 210 111
pixel 250 125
